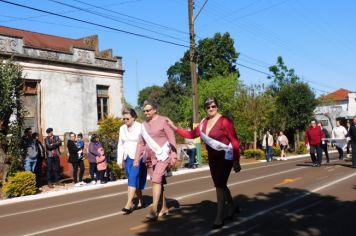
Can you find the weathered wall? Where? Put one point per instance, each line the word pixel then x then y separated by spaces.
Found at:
pixel 68 96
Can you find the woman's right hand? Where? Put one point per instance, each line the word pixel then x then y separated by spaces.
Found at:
pixel 135 163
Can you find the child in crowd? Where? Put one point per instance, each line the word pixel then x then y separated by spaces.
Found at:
pixel 101 165
pixel 80 145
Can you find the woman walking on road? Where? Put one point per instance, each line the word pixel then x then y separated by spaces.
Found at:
pixel 218 132
pixel 128 138
pixel 158 144
pixel 282 141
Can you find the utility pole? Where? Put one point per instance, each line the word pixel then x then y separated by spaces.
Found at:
pixel 193 66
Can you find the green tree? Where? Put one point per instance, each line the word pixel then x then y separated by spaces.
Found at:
pixel 295 101
pixel 11 118
pixel 254 108
pixel 214 57
pixel 281 75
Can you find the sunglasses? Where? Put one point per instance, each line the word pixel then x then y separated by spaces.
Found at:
pixel 211 106
pixel 148 110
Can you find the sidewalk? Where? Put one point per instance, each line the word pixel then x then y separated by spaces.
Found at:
pixel 70 188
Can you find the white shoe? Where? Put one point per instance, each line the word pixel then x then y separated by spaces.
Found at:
pixel 93 182
pixel 82 183
pixel 278 158
pixel 77 184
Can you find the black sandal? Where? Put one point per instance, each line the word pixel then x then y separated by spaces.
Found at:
pixel 127 211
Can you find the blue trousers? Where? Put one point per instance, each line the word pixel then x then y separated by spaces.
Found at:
pixel 30 164
pixel 269 153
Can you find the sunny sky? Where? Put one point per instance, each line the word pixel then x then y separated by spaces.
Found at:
pixel 315 37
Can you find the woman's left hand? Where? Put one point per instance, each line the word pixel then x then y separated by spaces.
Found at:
pixel 237 166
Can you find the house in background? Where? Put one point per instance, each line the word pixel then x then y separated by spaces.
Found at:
pixel 69 84
pixel 340 104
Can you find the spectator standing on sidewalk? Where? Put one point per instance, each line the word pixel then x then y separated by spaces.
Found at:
pixel 339 132
pixel 313 136
pixel 324 143
pixel 93 148
pixel 53 143
pixel 267 144
pixel 74 158
pixel 282 141
pixel 352 137
pixel 101 165
pixel 30 150
pixel 40 157
pixel 191 151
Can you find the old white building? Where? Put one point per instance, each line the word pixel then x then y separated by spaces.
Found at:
pixel 69 84
pixel 340 104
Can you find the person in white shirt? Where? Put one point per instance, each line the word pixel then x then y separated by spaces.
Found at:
pixel 126 149
pixel 282 141
pixel 339 132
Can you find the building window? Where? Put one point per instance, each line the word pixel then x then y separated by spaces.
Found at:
pixel 102 93
pixel 29 87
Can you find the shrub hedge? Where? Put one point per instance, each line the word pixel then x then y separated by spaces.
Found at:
pixel 21 184
pixel 254 153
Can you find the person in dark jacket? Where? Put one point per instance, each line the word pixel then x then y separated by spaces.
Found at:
pixel 53 142
pixel 40 157
pixel 93 148
pixel 324 144
pixel 313 136
pixel 352 136
pixel 74 154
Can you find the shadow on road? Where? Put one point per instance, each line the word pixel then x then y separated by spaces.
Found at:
pixel 311 214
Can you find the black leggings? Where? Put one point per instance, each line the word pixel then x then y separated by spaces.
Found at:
pixel 79 164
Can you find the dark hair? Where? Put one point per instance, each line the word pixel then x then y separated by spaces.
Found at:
pixel 209 101
pixel 71 133
pixel 151 103
pixel 26 130
pixel 80 135
pixel 130 111
pixel 34 135
pixel 49 130
pixel 93 137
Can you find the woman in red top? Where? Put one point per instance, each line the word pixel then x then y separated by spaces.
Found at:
pixel 216 127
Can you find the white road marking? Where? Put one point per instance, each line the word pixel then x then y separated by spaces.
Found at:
pixel 176 198
pixel 124 192
pixel 243 220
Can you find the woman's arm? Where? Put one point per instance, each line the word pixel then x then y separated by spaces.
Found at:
pixel 231 134
pixel 120 148
pixel 184 133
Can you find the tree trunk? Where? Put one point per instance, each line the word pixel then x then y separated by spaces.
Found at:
pixel 4 166
pixel 255 139
pixel 296 140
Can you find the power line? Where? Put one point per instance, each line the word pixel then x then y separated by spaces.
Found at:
pixel 92 23
pixel 114 19
pixel 136 18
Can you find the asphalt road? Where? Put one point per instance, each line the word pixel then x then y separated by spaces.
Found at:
pixel 278 198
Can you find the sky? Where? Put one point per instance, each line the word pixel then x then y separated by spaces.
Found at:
pixel 315 37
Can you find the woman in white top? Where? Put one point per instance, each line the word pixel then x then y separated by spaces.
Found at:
pixel 282 141
pixel 339 132
pixel 126 149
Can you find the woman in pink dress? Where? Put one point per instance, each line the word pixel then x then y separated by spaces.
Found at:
pixel 157 142
pixel 218 133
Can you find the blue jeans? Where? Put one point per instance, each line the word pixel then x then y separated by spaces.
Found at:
pixel 269 153
pixel 55 163
pixel 192 153
pixel 30 164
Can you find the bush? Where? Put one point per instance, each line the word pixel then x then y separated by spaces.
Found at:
pixel 254 153
pixel 302 148
pixel 108 133
pixel 276 151
pixel 204 156
pixel 21 184
pixel 113 166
